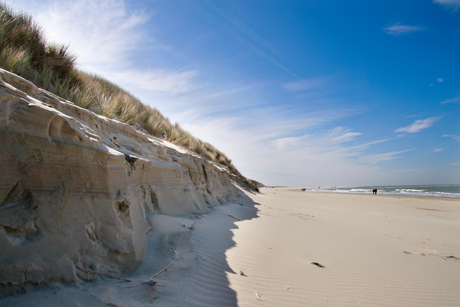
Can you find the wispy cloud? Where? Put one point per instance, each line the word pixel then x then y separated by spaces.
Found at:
pixel 376 158
pixel 306 84
pixel 439 80
pixel 252 40
pixel 450 4
pixel 366 145
pixel 413 170
pixel 341 134
pixel 439 149
pixel 322 141
pixel 455 137
pixel 398 28
pixel 270 150
pixel 99 32
pixel 418 125
pixel 162 80
pixel 456 99
pixel 106 38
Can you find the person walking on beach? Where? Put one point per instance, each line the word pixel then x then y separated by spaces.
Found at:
pixel 374 191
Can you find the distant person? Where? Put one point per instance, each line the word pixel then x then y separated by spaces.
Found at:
pixel 375 191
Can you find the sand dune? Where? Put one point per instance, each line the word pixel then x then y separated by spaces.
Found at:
pixel 76 189
pixel 370 250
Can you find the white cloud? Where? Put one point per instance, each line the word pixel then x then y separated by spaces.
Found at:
pixel 341 134
pixel 418 125
pixel 455 137
pixel 366 145
pixel 262 146
pixel 304 85
pixel 439 149
pixel 319 141
pixel 310 84
pixel 100 33
pixel 161 80
pixel 414 170
pixel 440 80
pixel 451 4
pixel 456 99
pixel 376 158
pixel 398 29
pixel 268 150
pixel 251 39
pixel 106 38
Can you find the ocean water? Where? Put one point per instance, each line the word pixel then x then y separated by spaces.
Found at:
pixel 441 190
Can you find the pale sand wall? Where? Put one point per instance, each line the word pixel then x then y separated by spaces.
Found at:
pixel 76 189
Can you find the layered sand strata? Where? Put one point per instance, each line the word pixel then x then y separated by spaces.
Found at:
pixel 76 189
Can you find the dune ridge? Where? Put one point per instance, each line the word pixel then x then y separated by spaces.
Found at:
pixel 76 188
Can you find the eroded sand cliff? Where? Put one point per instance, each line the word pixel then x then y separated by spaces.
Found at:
pixel 76 187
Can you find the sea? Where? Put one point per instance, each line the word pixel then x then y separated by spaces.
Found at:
pixel 439 190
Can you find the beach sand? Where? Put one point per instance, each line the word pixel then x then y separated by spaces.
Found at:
pixel 376 250
pixel 285 247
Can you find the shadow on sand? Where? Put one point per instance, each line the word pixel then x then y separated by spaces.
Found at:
pixel 200 274
pixel 195 244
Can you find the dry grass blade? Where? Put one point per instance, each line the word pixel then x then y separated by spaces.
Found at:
pixel 162 270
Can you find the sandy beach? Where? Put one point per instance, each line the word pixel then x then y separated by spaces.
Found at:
pixel 116 188
pixel 376 251
pixel 285 247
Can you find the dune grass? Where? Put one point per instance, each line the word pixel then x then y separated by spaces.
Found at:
pixel 25 52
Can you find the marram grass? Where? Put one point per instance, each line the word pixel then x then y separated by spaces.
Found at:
pixel 24 51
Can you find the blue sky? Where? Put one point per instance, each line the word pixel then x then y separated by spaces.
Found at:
pixel 299 93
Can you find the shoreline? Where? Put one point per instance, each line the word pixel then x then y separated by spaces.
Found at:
pixel 333 190
pixel 447 198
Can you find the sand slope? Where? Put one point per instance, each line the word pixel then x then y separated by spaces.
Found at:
pixel 194 243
